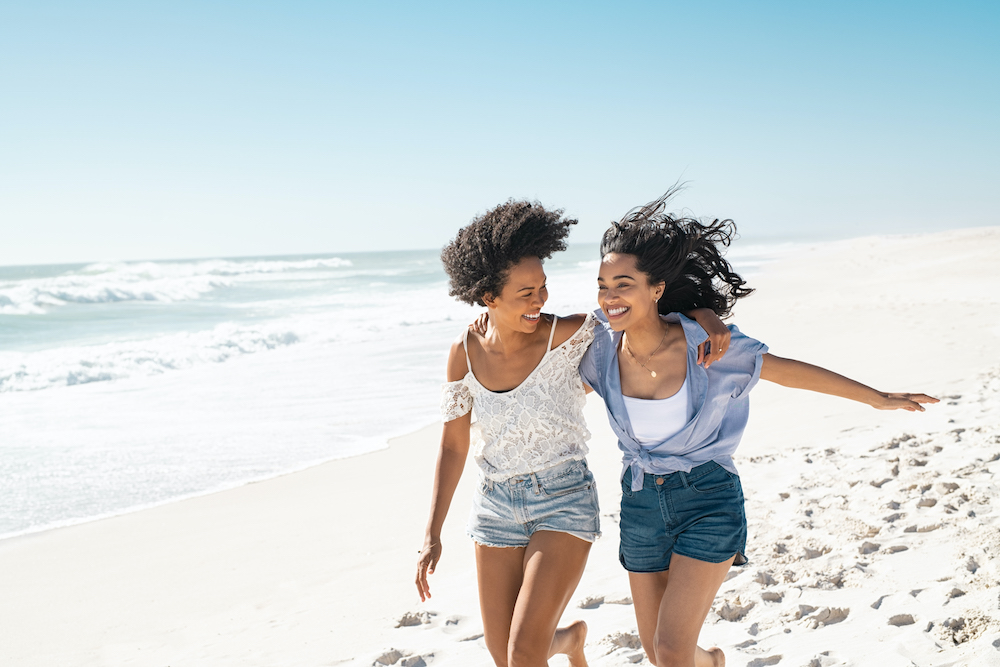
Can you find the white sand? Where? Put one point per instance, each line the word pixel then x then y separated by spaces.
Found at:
pixel 873 536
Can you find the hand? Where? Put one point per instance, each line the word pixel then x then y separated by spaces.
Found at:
pixel 479 326
pixel 428 560
pixel 909 402
pixel 718 336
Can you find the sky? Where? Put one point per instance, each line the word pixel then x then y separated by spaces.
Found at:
pixel 194 129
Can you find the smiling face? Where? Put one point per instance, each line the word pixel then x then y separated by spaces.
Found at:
pixel 625 293
pixel 520 302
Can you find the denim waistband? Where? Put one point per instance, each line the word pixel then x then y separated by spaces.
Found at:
pixel 533 478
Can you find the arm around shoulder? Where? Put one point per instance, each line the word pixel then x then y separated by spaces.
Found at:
pixel 566 327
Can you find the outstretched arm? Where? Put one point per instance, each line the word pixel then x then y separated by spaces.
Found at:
pixel 800 375
pixel 448 471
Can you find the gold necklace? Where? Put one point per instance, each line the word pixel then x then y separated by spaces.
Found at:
pixel 649 358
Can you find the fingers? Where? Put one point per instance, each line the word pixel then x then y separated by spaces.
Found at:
pixel 701 355
pixel 423 588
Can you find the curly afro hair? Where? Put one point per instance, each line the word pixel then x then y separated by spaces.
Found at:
pixel 684 253
pixel 482 253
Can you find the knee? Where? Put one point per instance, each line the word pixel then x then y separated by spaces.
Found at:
pixel 669 654
pixel 498 651
pixel 525 654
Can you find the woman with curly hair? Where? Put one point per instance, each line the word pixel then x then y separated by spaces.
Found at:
pixel 682 518
pixel 535 513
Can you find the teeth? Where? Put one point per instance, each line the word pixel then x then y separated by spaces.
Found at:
pixel 532 317
pixel 617 311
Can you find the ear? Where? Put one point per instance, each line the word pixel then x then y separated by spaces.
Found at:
pixel 658 290
pixel 489 300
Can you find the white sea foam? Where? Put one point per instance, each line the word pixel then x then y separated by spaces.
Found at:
pixel 166 282
pixel 73 365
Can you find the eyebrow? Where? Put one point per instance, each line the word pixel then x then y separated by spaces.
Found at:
pixel 530 287
pixel 624 275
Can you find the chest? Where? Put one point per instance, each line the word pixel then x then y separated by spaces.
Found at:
pixel 637 374
pixel 503 372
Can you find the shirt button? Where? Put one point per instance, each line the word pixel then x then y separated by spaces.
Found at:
pixel 659 481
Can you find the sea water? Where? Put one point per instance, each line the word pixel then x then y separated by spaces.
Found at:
pixel 125 385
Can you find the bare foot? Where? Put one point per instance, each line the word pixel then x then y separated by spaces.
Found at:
pixel 718 657
pixel 570 641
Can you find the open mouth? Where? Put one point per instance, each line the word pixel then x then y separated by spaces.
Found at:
pixel 532 318
pixel 617 312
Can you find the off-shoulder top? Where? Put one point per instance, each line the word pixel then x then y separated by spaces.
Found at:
pixel 537 424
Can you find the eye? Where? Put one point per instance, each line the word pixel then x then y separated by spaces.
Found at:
pixel 601 287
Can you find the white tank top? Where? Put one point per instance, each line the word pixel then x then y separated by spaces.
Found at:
pixel 656 419
pixel 537 424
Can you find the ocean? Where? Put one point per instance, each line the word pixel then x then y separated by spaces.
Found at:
pixel 125 385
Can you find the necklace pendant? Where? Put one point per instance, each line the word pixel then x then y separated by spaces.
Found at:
pixel 653 373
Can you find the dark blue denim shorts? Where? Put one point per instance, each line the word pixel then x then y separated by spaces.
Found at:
pixel 698 514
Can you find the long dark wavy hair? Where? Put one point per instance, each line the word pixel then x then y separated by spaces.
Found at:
pixel 684 253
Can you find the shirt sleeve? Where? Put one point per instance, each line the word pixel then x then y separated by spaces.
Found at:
pixel 456 400
pixel 745 356
pixel 593 360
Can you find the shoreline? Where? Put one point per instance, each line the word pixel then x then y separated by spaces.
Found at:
pixel 315 567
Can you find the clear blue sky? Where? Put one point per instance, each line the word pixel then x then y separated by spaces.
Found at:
pixel 181 129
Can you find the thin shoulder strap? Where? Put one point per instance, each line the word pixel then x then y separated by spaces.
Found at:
pixel 465 346
pixel 552 334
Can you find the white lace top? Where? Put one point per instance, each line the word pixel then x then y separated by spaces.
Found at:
pixel 534 426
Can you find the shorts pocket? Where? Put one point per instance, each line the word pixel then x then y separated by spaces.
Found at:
pixel 575 482
pixel 718 480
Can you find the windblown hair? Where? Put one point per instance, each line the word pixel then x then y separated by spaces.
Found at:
pixel 685 253
pixel 481 255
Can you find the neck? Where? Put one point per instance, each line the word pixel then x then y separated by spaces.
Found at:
pixel 645 335
pixel 507 339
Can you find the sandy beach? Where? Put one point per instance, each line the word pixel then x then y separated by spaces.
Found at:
pixel 874 537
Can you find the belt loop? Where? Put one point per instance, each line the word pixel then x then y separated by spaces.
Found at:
pixel 683 477
pixel 534 484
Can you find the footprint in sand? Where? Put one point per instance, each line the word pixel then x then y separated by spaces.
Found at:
pixel 401 659
pixel 869 548
pixel 412 618
pixel 735 610
pixel 764 578
pixel 765 662
pixel 622 640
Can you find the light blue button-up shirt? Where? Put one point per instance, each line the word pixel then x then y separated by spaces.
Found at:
pixel 718 402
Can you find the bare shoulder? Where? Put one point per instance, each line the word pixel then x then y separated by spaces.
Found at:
pixel 567 326
pixel 458 366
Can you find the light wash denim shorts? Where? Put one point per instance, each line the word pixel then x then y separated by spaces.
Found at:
pixel 698 514
pixel 562 498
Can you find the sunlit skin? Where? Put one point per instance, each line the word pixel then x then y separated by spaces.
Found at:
pixel 523 591
pixel 671 606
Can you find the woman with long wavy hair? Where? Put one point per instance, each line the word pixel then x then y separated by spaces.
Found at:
pixel 678 424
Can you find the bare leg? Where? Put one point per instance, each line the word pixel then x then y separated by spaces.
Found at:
pixel 553 565
pixel 499 571
pixel 523 593
pixel 670 611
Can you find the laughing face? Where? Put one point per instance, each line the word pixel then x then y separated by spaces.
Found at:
pixel 519 305
pixel 624 292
